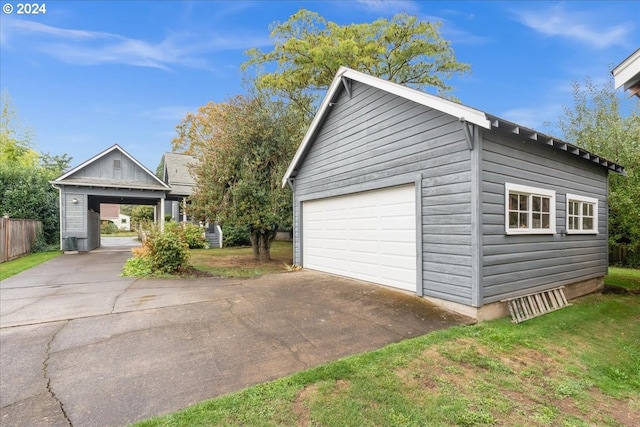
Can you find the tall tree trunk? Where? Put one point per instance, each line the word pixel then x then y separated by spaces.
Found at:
pixel 254 236
pixel 265 247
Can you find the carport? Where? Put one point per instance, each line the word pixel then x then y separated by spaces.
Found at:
pixel 113 176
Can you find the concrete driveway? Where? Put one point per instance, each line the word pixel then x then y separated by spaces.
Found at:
pixel 81 346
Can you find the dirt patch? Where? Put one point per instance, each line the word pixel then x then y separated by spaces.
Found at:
pixel 301 406
pixel 527 389
pixel 306 395
pixel 619 290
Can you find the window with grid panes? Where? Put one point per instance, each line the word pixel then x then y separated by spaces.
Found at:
pixel 582 214
pixel 529 210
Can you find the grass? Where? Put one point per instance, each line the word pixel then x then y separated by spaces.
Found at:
pixel 579 366
pixel 121 234
pixel 627 278
pixel 15 266
pixel 238 262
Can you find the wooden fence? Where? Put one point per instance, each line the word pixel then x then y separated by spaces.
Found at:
pixel 17 237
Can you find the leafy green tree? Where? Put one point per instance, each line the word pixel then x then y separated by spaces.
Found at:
pixel 16 140
pixel 596 123
pixel 308 50
pixel 243 155
pixel 141 214
pixel 25 191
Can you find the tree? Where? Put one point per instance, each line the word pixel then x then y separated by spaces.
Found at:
pixel 16 140
pixel 25 191
pixel 595 122
pixel 244 146
pixel 308 50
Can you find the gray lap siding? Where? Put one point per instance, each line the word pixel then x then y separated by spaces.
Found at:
pixel 376 139
pixel 517 264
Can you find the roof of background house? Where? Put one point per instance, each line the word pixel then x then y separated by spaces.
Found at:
pixel 627 74
pixel 462 112
pixel 177 173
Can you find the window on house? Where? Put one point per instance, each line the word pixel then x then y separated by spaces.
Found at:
pixel 529 210
pixel 582 214
pixel 116 164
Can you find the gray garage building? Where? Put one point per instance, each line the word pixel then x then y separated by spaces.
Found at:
pixel 112 176
pixel 406 189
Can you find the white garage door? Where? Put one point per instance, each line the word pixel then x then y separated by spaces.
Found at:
pixel 369 236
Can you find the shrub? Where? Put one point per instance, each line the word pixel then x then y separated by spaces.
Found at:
pixel 161 253
pixel 40 244
pixel 169 253
pixel 235 235
pixel 194 237
pixel 108 227
pixel 138 266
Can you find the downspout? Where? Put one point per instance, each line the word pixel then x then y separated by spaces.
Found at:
pixel 59 212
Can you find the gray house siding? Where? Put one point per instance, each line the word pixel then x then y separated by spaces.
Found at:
pixel 377 139
pixel 513 264
pixel 107 168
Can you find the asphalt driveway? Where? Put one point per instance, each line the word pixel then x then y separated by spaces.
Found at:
pixel 81 346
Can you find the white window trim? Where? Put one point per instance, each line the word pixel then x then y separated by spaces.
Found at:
pixel 577 198
pixel 509 187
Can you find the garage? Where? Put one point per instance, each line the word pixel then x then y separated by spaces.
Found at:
pixel 369 235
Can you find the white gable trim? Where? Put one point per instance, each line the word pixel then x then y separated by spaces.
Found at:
pixel 60 179
pixel 627 73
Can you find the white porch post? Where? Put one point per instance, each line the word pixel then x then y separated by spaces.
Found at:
pixel 184 209
pixel 162 214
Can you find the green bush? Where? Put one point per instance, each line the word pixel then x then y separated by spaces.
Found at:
pixel 194 237
pixel 108 227
pixel 235 235
pixel 138 266
pixel 40 244
pixel 168 252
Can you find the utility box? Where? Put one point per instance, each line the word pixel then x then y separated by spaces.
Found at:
pixel 70 244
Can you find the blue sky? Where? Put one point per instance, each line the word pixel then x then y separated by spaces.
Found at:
pixel 88 74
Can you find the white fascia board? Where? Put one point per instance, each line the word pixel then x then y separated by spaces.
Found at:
pixel 628 72
pixel 314 124
pixel 454 109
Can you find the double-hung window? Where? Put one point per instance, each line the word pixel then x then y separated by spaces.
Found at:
pixel 529 210
pixel 582 214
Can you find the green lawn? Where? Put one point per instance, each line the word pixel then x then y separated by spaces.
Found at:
pixel 579 366
pixel 627 278
pixel 238 262
pixel 13 267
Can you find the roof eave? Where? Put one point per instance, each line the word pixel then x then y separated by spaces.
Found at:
pixel 530 134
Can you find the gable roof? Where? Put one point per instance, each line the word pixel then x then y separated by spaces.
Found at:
pixel 462 112
pixel 177 172
pixel 66 178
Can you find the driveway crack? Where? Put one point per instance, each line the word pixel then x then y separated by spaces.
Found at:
pixel 115 300
pixel 45 371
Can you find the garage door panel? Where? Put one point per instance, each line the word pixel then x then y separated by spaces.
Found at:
pixel 368 236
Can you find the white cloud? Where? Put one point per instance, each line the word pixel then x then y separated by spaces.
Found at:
pixel 83 47
pixel 390 6
pixel 587 28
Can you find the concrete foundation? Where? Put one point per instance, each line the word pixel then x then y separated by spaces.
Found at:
pixel 496 310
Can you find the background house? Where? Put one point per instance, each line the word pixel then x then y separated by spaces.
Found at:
pixel 409 190
pixel 627 74
pixel 111 212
